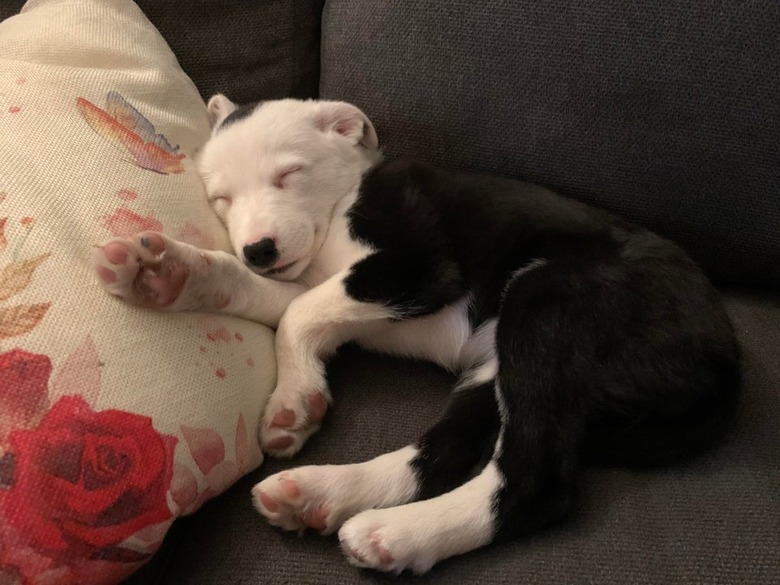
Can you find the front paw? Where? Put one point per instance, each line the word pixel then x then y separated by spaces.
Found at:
pixel 144 270
pixel 291 417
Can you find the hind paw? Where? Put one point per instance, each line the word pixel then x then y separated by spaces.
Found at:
pixel 317 497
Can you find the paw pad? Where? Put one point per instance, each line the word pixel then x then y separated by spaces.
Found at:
pixel 137 269
pixel 268 502
pixel 117 253
pixel 384 555
pixel 284 418
pixel 316 518
pixel 318 406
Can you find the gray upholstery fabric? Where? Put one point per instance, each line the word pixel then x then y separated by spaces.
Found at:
pixel 10 7
pixel 666 112
pixel 247 50
pixel 712 520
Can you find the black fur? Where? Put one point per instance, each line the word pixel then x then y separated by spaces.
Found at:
pixel 614 349
pixel 238 114
pixel 460 444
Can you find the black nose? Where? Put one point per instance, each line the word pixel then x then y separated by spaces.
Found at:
pixel 262 253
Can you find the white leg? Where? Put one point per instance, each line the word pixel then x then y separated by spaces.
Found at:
pixel 315 324
pixel 152 270
pixel 416 536
pixel 323 497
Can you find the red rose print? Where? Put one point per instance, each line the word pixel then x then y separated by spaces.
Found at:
pixel 24 379
pixel 88 480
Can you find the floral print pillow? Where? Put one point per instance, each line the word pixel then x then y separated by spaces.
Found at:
pixel 113 420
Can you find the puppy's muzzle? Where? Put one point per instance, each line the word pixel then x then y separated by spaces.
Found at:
pixel 261 254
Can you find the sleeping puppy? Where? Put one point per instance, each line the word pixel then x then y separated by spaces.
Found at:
pixel 579 338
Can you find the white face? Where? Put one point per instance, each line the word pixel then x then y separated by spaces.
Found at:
pixel 276 175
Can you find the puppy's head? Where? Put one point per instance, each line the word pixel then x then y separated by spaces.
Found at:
pixel 274 172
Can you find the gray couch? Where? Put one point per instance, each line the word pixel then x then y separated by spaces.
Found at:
pixel 667 113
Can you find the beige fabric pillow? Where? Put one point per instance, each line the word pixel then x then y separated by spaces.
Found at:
pixel 113 420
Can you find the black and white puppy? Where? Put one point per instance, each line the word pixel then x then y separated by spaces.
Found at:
pixel 579 338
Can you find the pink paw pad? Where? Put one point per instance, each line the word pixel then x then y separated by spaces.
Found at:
pixel 290 488
pixel 316 518
pixel 106 275
pixel 318 406
pixel 153 242
pixel 116 253
pixel 221 301
pixel 284 418
pixel 384 555
pixel 268 502
pixel 166 287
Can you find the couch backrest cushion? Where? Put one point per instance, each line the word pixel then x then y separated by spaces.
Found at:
pixel 246 50
pixel 667 113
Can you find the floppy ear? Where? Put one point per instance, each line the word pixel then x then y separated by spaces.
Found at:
pixel 348 121
pixel 219 108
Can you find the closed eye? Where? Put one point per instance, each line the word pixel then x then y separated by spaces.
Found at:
pixel 282 178
pixel 225 200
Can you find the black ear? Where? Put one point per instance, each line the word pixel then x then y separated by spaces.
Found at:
pixel 348 121
pixel 219 108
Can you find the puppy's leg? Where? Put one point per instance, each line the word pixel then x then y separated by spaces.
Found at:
pixel 323 497
pixel 151 270
pixel 544 357
pixel 313 326
pixel 526 485
pixel 384 285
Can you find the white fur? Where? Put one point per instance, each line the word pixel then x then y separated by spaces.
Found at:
pixel 313 326
pixel 439 338
pixel 479 357
pixel 416 536
pixel 341 490
pixel 479 375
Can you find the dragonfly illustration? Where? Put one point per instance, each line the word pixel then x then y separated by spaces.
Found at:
pixel 127 128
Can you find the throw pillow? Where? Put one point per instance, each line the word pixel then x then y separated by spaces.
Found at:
pixel 113 420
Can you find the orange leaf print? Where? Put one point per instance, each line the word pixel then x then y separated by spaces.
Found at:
pixel 3 241
pixel 21 319
pixel 15 277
